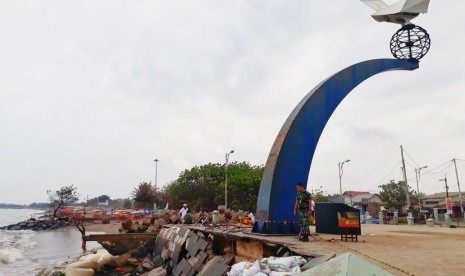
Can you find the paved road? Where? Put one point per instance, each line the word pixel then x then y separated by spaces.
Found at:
pixel 419 250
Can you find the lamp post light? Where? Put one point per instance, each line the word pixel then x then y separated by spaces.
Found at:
pixel 417 177
pixel 156 173
pixel 341 172
pixel 226 178
pixel 447 187
pixel 447 191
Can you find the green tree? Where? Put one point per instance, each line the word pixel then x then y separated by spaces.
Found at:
pixel 127 204
pixel 103 198
pixel 243 185
pixel 318 195
pixel 392 195
pixel 198 187
pixel 144 195
pixel 64 196
pixel 203 186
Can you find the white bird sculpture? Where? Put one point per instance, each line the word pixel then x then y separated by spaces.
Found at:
pixel 401 12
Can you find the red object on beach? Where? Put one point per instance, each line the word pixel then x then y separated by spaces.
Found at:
pixel 78 216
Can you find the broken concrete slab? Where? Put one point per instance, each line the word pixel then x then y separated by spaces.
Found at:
pixel 157 272
pixel 317 261
pixel 214 267
pixel 347 264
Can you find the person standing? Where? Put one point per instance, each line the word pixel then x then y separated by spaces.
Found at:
pixel 183 211
pixel 187 218
pixel 303 208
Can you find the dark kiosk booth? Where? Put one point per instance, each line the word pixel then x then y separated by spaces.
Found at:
pixel 338 219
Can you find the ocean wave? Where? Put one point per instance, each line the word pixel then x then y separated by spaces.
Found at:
pixel 9 255
pixel 14 243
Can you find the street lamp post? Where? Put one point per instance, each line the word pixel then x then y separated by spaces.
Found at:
pixel 341 172
pixel 156 173
pixel 445 181
pixel 226 178
pixel 417 177
pixel 447 191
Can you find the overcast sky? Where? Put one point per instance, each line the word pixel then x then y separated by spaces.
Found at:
pixel 92 91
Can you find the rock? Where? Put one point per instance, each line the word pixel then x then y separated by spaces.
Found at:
pixel 133 261
pixel 107 260
pixel 15 228
pixel 84 264
pixel 76 271
pixel 140 270
pixel 55 226
pixel 55 273
pixel 122 259
pixel 147 265
pixel 90 257
pixel 127 225
pixel 222 209
pixel 175 218
pixel 157 272
pixel 195 218
pixel 222 218
pixel 46 271
pixel 227 213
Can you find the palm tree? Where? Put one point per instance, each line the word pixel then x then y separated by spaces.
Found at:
pixel 144 195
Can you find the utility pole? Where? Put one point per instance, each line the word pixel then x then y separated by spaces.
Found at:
pixel 447 194
pixel 405 177
pixel 445 181
pixel 341 172
pixel 226 178
pixel 458 184
pixel 417 177
pixel 156 173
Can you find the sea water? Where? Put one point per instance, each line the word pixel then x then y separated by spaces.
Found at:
pixel 26 252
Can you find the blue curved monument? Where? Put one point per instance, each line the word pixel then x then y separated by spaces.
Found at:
pixel 291 156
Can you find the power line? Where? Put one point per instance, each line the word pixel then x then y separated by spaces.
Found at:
pixel 412 166
pixel 388 174
pixel 449 163
pixel 374 170
pixel 410 157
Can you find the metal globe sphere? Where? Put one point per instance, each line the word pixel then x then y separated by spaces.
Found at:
pixel 410 42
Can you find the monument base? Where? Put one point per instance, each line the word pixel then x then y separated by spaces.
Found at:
pixel 288 228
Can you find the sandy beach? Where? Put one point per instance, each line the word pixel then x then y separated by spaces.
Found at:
pixel 109 228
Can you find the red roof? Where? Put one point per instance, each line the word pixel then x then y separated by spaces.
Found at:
pixel 355 193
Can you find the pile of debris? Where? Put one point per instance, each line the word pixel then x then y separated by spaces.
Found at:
pixel 180 251
pixel 162 218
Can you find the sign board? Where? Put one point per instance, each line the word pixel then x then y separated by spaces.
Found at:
pixel 334 218
pixel 348 219
pixel 449 204
pixel 103 203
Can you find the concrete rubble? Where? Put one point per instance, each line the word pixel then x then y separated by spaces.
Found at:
pixel 180 251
